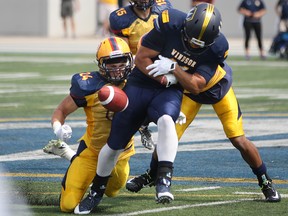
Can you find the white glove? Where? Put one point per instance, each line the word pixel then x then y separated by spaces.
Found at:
pixel 161 67
pixel 62 132
pixel 171 80
pixel 181 118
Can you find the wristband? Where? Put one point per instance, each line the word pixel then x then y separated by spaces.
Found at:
pixel 56 125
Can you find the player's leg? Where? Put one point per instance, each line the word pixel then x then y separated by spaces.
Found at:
pixel 229 113
pixel 77 179
pixel 165 112
pixel 190 108
pixel 120 172
pixel 118 177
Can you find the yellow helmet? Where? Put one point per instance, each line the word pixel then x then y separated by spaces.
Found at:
pixel 114 50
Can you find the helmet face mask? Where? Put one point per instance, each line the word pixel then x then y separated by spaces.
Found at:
pixel 142 4
pixel 116 71
pixel 201 27
pixel 114 59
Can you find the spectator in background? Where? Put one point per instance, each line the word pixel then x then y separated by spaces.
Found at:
pixel 105 8
pixel 253 11
pixel 195 2
pixel 282 11
pixel 68 7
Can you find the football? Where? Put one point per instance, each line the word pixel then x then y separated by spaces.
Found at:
pixel 113 98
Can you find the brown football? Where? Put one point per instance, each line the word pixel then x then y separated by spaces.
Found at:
pixel 113 98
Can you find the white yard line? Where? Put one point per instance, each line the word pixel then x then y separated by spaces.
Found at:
pixel 254 193
pixel 198 189
pixel 182 207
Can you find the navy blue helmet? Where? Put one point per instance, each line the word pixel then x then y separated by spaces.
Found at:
pixel 201 26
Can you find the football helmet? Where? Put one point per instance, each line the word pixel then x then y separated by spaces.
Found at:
pixel 142 4
pixel 114 50
pixel 201 26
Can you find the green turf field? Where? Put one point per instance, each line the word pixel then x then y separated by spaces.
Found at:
pixel 31 86
pixel 211 200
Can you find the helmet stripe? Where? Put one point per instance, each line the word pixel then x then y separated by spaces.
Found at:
pixel 113 43
pixel 208 15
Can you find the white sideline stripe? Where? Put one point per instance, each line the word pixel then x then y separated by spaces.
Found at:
pixel 199 189
pixel 255 193
pixel 182 207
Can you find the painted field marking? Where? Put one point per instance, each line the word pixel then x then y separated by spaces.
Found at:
pixel 182 207
pixel 198 189
pixel 254 193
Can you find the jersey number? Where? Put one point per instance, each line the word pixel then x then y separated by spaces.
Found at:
pixel 160 2
pixel 121 12
pixel 85 75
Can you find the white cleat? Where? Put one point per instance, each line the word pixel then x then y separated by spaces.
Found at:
pixel 59 148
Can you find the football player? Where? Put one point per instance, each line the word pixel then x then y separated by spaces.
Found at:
pixel 131 23
pixel 115 62
pixel 195 51
pixel 159 99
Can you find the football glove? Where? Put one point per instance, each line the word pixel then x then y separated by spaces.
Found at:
pixel 161 67
pixel 181 118
pixel 171 80
pixel 62 132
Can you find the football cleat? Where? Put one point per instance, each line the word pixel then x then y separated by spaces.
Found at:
pixel 270 193
pixel 88 204
pixel 163 194
pixel 60 148
pixel 146 138
pixel 137 183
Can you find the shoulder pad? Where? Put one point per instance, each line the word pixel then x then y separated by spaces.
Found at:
pixel 117 24
pixel 220 47
pixel 86 83
pixel 169 19
pixel 161 5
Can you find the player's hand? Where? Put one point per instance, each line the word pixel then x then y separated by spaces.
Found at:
pixel 181 118
pixel 170 80
pixel 62 132
pixel 161 66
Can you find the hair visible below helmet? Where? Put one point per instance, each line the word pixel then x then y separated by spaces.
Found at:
pixel 201 26
pixel 142 4
pixel 110 51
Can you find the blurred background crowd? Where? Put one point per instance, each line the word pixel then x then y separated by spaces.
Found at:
pixel 81 19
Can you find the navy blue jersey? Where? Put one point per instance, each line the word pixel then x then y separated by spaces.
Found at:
pixel 166 38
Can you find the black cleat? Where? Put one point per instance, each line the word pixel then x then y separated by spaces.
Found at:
pixel 87 204
pixel 270 193
pixel 137 183
pixel 163 194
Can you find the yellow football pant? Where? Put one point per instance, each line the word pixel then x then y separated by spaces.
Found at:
pixel 227 110
pixel 81 173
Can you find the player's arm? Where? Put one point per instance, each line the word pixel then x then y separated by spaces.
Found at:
pixel 66 107
pixel 144 58
pixel 61 130
pixel 193 83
